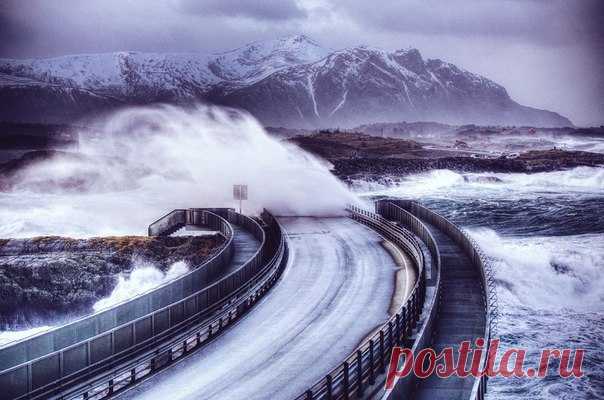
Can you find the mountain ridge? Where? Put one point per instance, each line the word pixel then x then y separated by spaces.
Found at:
pixel 290 81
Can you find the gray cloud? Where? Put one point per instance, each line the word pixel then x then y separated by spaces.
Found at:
pixel 270 10
pixel 547 22
pixel 547 53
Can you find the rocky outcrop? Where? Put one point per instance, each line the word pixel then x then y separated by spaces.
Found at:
pixel 359 156
pixel 335 145
pixel 44 277
pixel 533 161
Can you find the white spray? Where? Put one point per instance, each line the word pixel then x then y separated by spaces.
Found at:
pixel 143 278
pixel 144 162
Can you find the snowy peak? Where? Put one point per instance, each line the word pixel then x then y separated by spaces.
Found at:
pixel 290 81
pixel 249 63
pixel 259 59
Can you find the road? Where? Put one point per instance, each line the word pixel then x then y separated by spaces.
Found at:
pixel 337 288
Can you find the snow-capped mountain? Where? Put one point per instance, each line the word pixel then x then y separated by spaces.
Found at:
pixel 292 81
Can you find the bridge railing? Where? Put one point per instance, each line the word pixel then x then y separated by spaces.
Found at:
pixel 168 223
pixel 423 338
pixel 42 344
pixel 201 327
pixel 363 367
pixel 481 262
pixel 39 362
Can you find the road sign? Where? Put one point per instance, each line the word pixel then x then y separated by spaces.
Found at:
pixel 240 193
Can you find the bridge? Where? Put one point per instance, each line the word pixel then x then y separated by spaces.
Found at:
pixel 288 307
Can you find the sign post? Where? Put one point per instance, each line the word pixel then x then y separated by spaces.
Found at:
pixel 240 193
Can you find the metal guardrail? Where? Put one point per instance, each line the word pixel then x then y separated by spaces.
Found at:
pixel 161 319
pixel 481 262
pixel 199 329
pixel 33 349
pixel 169 223
pixel 360 370
pixel 201 315
pixel 423 338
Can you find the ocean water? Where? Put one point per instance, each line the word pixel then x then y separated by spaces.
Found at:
pixel 544 232
pixel 545 235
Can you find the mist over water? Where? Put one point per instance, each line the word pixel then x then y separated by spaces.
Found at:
pixel 7 337
pixel 144 162
pixel 144 277
pixel 547 272
pixel 141 163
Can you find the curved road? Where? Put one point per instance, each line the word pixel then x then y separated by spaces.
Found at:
pixel 336 289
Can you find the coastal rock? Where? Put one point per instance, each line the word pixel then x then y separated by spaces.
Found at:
pixel 49 276
pixel 481 179
pixel 359 156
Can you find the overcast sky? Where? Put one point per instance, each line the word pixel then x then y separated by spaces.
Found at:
pixel 547 53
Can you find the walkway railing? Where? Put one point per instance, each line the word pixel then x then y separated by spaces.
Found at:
pixel 35 350
pixel 363 367
pixel 98 344
pixel 480 261
pixel 205 326
pixel 423 338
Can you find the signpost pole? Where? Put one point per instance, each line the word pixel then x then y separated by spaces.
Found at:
pixel 240 193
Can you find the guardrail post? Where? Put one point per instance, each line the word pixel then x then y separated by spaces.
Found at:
pixel 405 322
pixel 360 372
pixel 328 383
pixel 371 365
pixel 382 363
pixel 398 329
pixel 346 380
pixel 309 394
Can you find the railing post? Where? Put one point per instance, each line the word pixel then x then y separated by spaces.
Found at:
pixel 346 380
pixel 328 383
pixel 382 363
pixel 371 370
pixel 405 322
pixel 398 329
pixel 360 372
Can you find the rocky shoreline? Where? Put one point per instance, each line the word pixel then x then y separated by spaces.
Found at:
pixel 49 277
pixel 530 162
pixel 361 157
